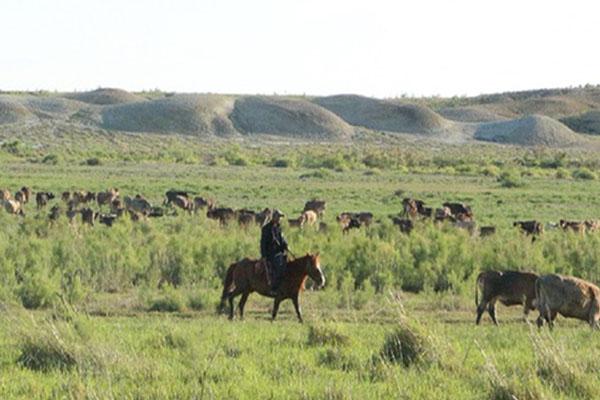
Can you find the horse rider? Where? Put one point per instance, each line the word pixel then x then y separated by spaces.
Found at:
pixel 273 248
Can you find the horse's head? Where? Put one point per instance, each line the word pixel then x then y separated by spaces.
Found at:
pixel 314 269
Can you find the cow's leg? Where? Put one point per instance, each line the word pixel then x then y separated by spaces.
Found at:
pixel 243 303
pixel 297 307
pixel 275 308
pixel 527 306
pixel 480 310
pixel 492 311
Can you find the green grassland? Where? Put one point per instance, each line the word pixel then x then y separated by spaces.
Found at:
pixel 82 315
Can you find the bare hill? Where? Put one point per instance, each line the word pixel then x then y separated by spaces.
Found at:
pixel 13 111
pixel 383 115
pixel 288 117
pixel 588 122
pixel 105 96
pixel 535 130
pixel 187 114
pixel 471 114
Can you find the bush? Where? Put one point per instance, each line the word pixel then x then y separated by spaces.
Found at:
pixel 319 335
pixel 169 301
pixel 318 174
pixel 197 302
pixel 51 159
pixel 584 173
pixel 408 346
pixel 93 162
pixel 37 292
pixel 338 359
pixel 510 179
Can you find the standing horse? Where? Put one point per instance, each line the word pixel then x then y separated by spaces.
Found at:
pixel 247 276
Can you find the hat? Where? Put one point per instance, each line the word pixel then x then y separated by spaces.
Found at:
pixel 277 213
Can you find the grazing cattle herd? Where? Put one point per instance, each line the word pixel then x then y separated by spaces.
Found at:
pixel 550 294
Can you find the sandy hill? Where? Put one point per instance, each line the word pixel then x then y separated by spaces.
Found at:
pixel 288 117
pixel 188 114
pixel 534 130
pixel 588 122
pixel 105 96
pixel 383 115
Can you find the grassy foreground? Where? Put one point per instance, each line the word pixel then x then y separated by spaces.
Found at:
pixel 81 314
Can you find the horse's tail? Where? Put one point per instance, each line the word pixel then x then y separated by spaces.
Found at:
pixel 227 285
pixel 478 285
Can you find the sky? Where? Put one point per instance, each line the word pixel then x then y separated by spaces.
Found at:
pixel 315 47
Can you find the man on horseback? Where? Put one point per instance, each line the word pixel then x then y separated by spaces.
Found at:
pixel 273 247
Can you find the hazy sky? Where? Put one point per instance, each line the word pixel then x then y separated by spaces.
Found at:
pixel 377 48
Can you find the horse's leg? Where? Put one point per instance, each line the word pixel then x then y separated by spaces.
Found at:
pixel 243 303
pixel 275 308
pixel 232 295
pixel 297 307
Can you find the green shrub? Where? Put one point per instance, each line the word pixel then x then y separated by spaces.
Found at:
pixel 37 291
pixel 197 302
pixel 510 179
pixel 51 159
pixel 584 173
pixel 319 335
pixel 169 301
pixel 93 162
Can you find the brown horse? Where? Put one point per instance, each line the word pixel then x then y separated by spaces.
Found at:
pixel 247 276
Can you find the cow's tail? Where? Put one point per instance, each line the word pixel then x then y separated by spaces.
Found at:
pixel 227 286
pixel 478 284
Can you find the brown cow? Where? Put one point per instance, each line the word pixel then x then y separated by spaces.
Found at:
pixel 457 209
pixel 568 296
pixel 443 214
pixel 414 207
pixel 592 225
pixel 308 218
pixel 575 226
pixel 5 195
pixel 184 203
pixel 42 199
pixel 20 197
pixel 365 218
pixel 27 193
pixel 13 207
pixel 531 228
pixel 83 196
pixel 317 206
pixel 354 223
pixel 107 197
pixel 223 215
pixel 510 287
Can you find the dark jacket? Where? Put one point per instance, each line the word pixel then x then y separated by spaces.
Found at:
pixel 272 241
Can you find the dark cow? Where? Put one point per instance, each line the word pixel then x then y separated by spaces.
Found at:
pixel 107 219
pixel 510 288
pixel 88 216
pixel 172 194
pixel 405 224
pixel 42 199
pixel 317 206
pixel 460 211
pixel 83 196
pixel 246 217
pixel 575 226
pixel 568 296
pixel 107 197
pixel 414 207
pixel 263 216
pixel 71 213
pixel 354 223
pixel 487 231
pixel 54 213
pixel 443 214
pixel 20 197
pixel 223 215
pixel 201 203
pixel 137 204
pixel 65 196
pixel 531 228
